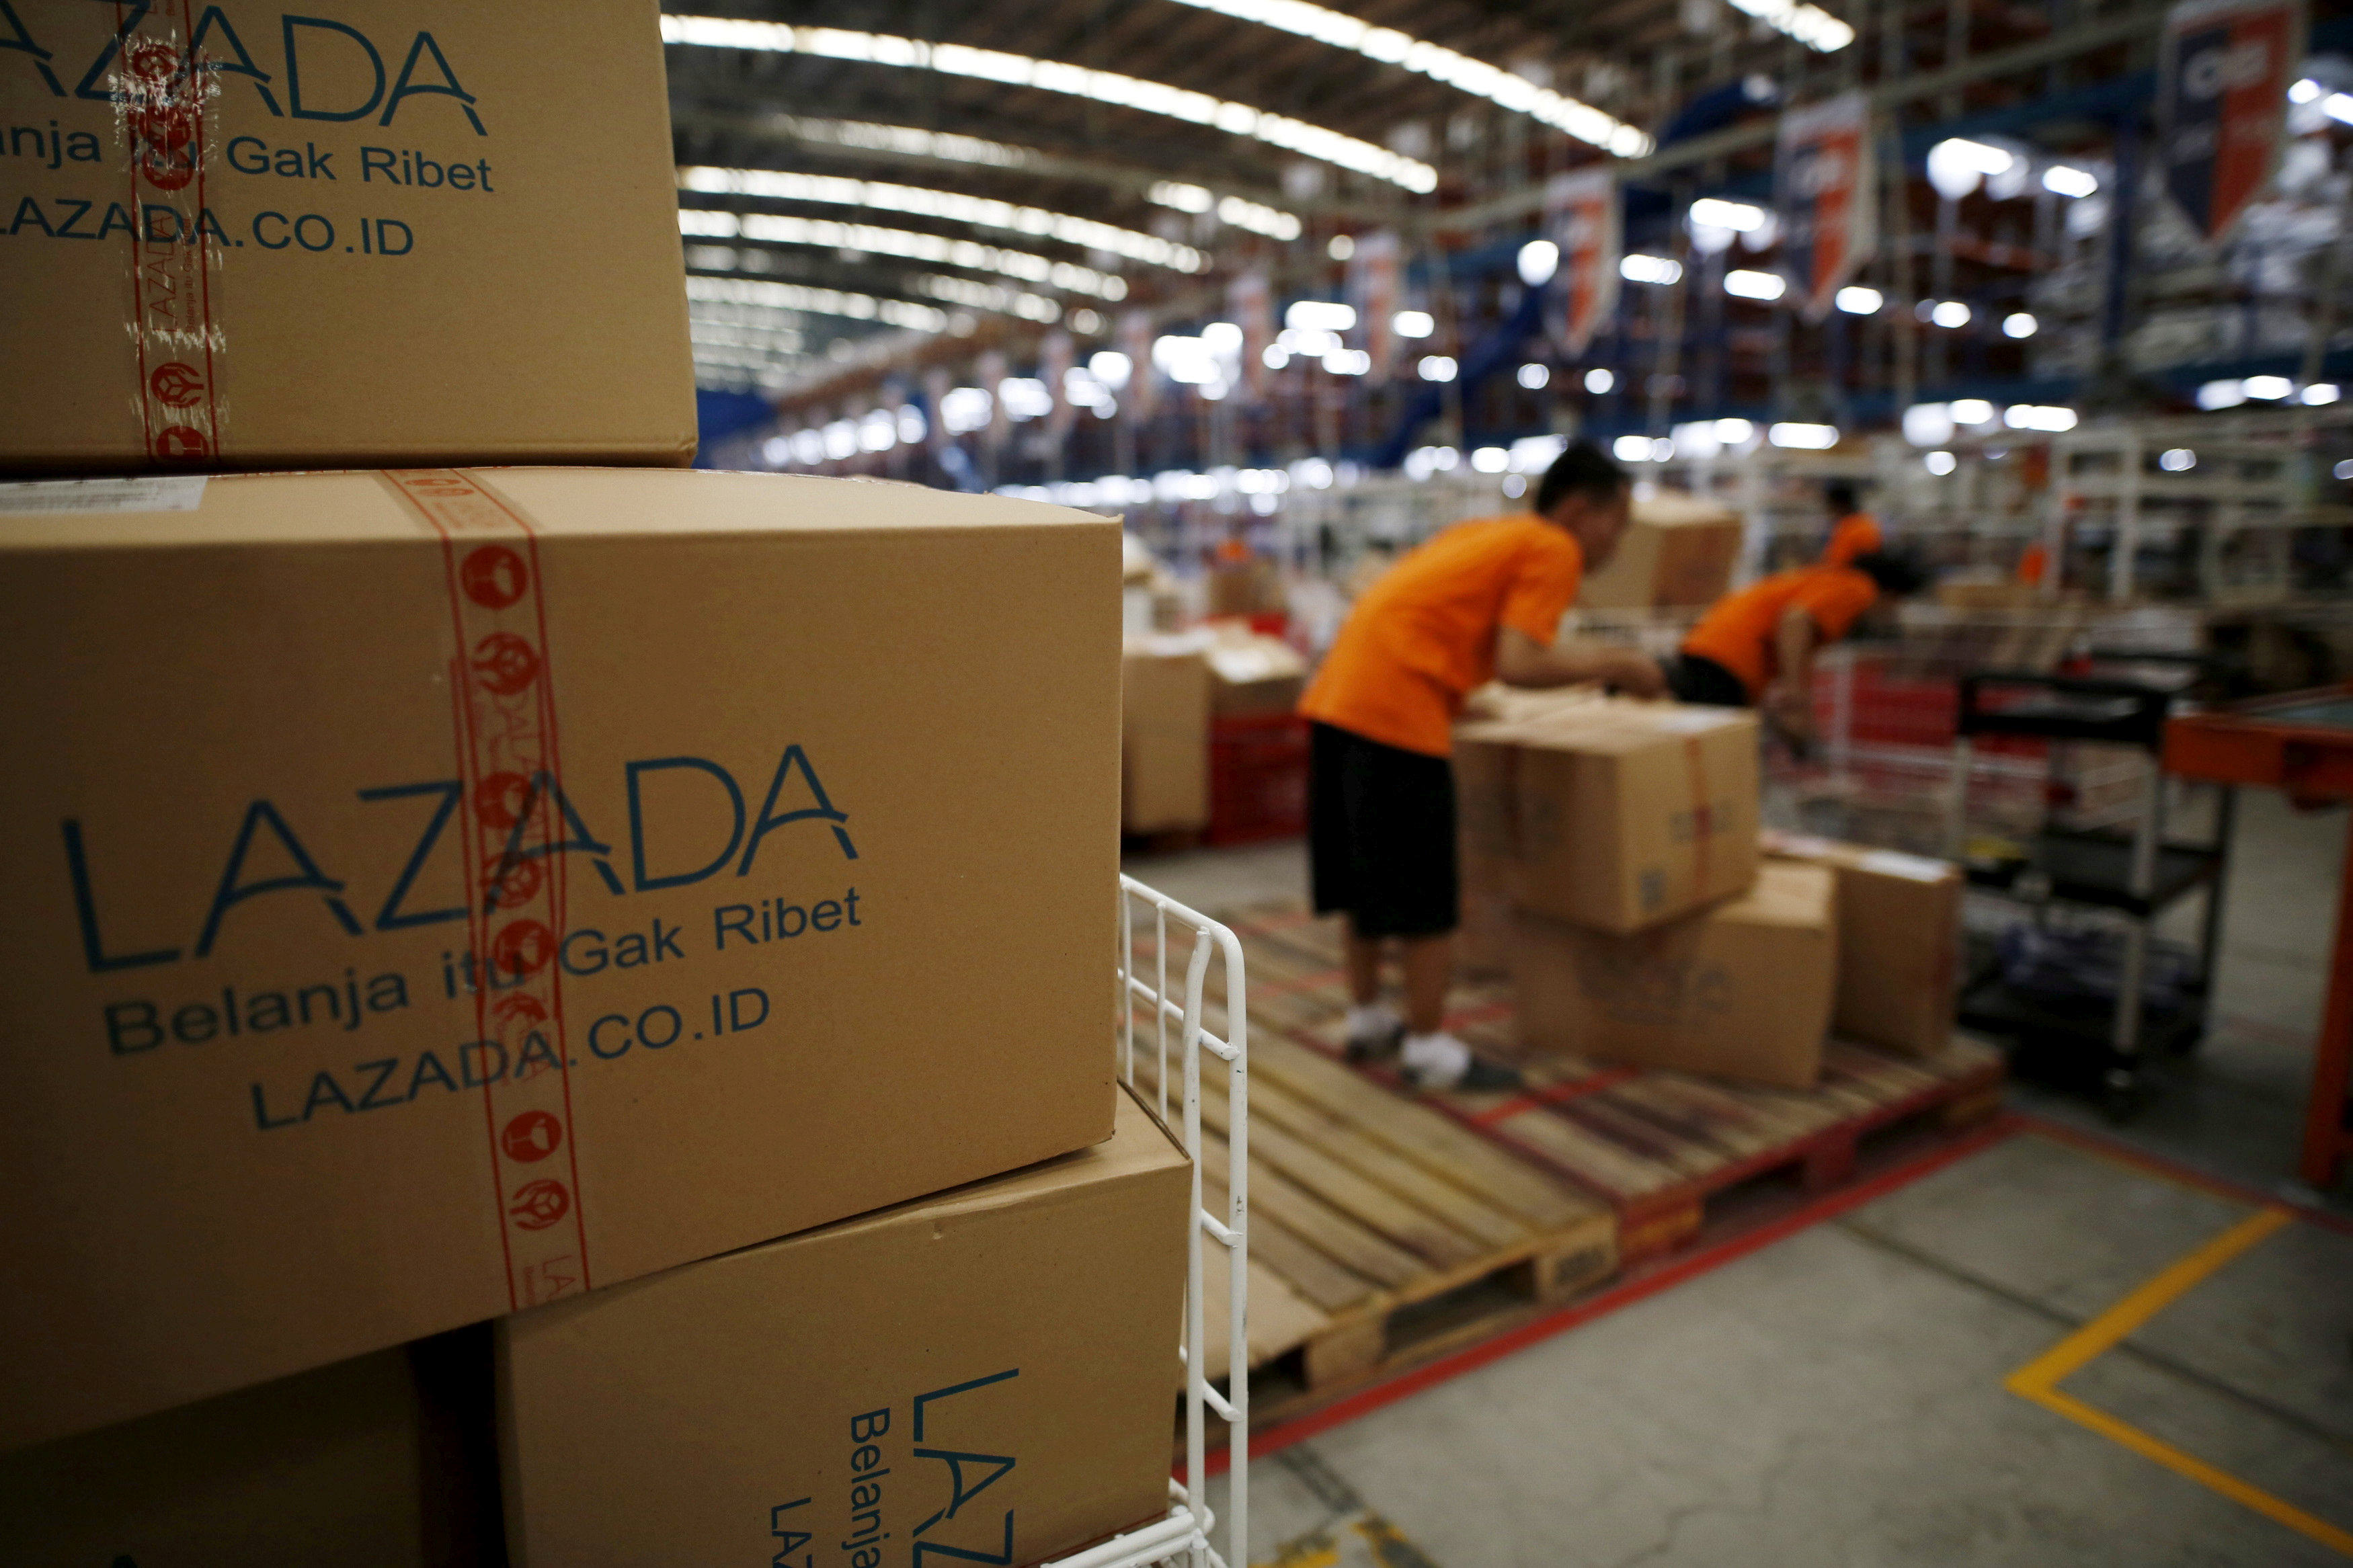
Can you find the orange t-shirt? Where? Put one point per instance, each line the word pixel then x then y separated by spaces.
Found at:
pixel 1856 533
pixel 1739 631
pixel 1424 633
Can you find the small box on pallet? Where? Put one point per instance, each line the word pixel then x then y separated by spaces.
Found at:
pixel 1899 940
pixel 1615 816
pixel 1742 990
pixel 986 1374
pixel 1164 735
pixel 436 892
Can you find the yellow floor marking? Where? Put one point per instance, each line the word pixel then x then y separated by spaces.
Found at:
pixel 2038 1380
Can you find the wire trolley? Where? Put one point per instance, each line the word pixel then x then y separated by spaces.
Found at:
pixel 1178 1022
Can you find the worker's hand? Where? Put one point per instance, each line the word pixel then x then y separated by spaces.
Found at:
pixel 1637 674
pixel 1792 708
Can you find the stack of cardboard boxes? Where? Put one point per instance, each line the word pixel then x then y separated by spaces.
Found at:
pixel 1185 696
pixel 555 1012
pixel 1612 865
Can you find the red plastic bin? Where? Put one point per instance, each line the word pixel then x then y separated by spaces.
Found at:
pixel 1258 778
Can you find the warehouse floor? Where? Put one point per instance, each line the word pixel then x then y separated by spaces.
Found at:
pixel 1843 1395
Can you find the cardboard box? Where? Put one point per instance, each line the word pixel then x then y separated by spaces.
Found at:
pixel 1899 940
pixel 1253 675
pixel 783 811
pixel 1483 814
pixel 397 231
pixel 388 1460
pixel 1743 990
pixel 1246 588
pixel 988 1372
pixel 1678 552
pixel 1164 735
pixel 1616 815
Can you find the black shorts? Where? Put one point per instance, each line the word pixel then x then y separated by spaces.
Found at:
pixel 1380 836
pixel 1697 680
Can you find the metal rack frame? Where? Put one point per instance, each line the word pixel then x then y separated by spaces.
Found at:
pixel 1184 1537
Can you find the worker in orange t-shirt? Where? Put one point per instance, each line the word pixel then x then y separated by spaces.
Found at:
pixel 1853 532
pixel 1755 647
pixel 1478 601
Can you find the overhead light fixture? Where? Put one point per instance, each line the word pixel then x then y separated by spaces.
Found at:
pixel 1750 285
pixel 953 206
pixel 1413 324
pixel 1436 367
pixel 1957 165
pixel 817 302
pixel 779 228
pixel 1804 437
pixel 1950 313
pixel 1641 268
pixel 1856 299
pixel 2046 417
pixel 1733 432
pixel 1535 377
pixel 2066 180
pixel 2338 107
pixel 1810 25
pixel 2216 395
pixel 1598 380
pixel 1939 463
pixel 1711 212
pixel 1635 448
pixel 2177 459
pixel 2269 388
pixel 1506 88
pixel 2319 394
pixel 1319 316
pixel 1348 361
pixel 2019 324
pixel 1054 75
pixel 1971 411
pixel 2304 91
pixel 1340 248
pixel 1538 260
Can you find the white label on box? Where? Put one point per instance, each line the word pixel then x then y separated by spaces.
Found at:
pixel 1917 867
pixel 176 492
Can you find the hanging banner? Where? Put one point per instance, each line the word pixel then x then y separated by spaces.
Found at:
pixel 1143 391
pixel 1826 184
pixel 1249 300
pixel 1373 279
pixel 1582 216
pixel 2223 103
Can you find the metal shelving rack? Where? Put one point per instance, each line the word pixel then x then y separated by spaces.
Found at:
pixel 1178 1023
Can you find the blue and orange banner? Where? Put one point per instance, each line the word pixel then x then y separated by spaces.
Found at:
pixel 1583 217
pixel 2223 111
pixel 1826 180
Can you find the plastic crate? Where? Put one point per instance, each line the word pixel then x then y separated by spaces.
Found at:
pixel 1258 778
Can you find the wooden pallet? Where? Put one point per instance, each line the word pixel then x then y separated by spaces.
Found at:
pixel 1382 1232
pixel 1659 1147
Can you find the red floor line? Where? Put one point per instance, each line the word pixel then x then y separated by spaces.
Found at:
pixel 2188 1176
pixel 1558 1094
pixel 1663 1277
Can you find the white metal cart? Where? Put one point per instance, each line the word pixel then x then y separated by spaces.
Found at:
pixel 1177 1027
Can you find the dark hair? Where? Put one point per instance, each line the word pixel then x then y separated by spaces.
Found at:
pixel 1898 573
pixel 1840 497
pixel 1582 470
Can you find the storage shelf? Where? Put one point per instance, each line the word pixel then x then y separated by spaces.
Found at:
pixel 2095 869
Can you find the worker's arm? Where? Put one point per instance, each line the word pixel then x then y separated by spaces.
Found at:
pixel 1521 660
pixel 1790 698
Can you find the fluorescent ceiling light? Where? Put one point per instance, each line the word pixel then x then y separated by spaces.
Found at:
pixel 1751 285
pixel 1052 76
pixel 2019 324
pixel 1858 299
pixel 1538 260
pixel 1739 216
pixel 1413 324
pixel 1641 268
pixel 981 212
pixel 2062 179
pixel 906 140
pixel 781 229
pixel 1476 78
pixel 1810 25
pixel 817 301
pixel 1805 437
pixel 1319 316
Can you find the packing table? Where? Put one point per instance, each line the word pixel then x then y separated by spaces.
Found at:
pixel 2301 743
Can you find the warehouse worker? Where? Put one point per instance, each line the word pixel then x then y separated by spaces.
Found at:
pixel 1480 600
pixel 1754 649
pixel 1853 532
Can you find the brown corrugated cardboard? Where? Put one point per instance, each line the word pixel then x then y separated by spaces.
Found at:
pixel 1678 552
pixel 782 812
pixel 1244 588
pixel 388 1460
pixel 1617 815
pixel 1253 675
pixel 1164 735
pixel 1742 990
pixel 1899 940
pixel 1484 818
pixel 986 1373
pixel 386 231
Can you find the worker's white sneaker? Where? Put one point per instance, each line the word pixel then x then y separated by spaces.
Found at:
pixel 1439 1060
pixel 1374 1030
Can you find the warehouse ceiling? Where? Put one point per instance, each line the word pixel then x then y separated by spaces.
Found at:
pixel 851 170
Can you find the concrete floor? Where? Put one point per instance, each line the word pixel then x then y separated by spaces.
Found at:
pixel 1837 1397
